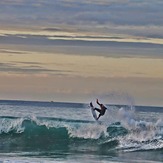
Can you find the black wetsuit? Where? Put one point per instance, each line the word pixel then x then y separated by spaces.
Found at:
pixel 102 110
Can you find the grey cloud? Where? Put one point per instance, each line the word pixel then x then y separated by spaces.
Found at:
pixel 43 40
pixel 4 51
pixel 31 69
pixel 84 13
pixel 54 29
pixel 119 12
pixel 125 14
pixel 29 63
pixel 11 2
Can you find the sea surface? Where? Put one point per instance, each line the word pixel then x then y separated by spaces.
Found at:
pixel 67 133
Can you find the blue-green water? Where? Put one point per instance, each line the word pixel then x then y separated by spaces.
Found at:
pixel 66 132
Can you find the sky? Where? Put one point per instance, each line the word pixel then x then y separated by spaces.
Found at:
pixel 77 51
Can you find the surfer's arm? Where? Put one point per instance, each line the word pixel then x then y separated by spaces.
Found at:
pixel 98 102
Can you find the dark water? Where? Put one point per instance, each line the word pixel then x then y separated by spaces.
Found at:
pixel 66 132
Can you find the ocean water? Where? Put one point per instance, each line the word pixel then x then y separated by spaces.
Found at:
pixel 66 132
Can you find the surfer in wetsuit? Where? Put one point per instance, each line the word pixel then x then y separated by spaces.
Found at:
pixel 101 110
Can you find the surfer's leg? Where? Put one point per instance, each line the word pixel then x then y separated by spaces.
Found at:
pixel 97 109
pixel 99 116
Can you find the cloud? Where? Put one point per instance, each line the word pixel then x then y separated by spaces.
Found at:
pixel 116 47
pixel 11 2
pixel 93 2
pixel 52 29
pixel 105 23
pixel 81 40
pixel 28 68
pixel 131 13
pixel 5 51
pixel 83 13
pixel 74 22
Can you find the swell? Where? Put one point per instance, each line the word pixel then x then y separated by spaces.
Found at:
pixel 51 134
pixel 31 134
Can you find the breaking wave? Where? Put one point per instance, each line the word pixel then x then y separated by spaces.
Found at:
pixel 31 133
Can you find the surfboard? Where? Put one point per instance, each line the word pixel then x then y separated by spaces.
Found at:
pixel 93 113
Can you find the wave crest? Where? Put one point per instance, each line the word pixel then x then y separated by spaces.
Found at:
pixel 52 133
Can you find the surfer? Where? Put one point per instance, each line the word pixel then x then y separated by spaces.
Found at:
pixel 101 110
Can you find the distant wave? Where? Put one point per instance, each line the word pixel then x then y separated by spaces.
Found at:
pixel 31 133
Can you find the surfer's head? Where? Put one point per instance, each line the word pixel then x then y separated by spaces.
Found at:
pixel 101 105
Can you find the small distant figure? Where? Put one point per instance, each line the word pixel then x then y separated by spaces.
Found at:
pixel 101 110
